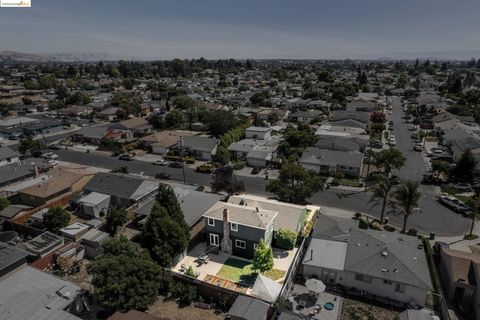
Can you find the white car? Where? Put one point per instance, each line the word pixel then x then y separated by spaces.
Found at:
pixel 418 147
pixel 50 156
pixel 160 162
pixel 392 142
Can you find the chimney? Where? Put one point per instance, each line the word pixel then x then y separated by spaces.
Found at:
pixel 226 241
pixel 35 168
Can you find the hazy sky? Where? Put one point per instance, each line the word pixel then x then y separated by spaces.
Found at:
pixel 167 29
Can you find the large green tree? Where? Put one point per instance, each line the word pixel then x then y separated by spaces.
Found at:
pixel 166 233
pixel 295 184
pixel 296 140
pixel 465 169
pixel 407 196
pixel 55 219
pixel 29 145
pixel 263 257
pixel 126 278
pixel 388 160
pixel 116 217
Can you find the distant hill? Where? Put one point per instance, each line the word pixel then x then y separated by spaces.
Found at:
pixel 14 56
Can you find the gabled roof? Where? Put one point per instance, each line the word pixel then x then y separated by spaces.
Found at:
pixel 134 123
pixel 249 309
pixel 247 216
pixel 288 215
pixel 123 186
pixel 318 156
pixel 6 152
pixel 385 255
pixel 333 228
pixel 200 143
pixel 61 179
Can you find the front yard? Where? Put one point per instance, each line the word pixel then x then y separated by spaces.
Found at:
pixel 240 271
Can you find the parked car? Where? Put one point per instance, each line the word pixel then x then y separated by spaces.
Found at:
pixel 418 147
pixel 392 142
pixel 160 162
pixel 50 156
pixel 390 127
pixel 429 178
pixel 390 122
pixel 376 145
pixel 443 157
pixel 455 204
pixel 126 157
pixel 462 187
pixel 54 146
pixel 163 176
pixel 255 170
pixel 177 165
pixel 414 135
pixel 206 168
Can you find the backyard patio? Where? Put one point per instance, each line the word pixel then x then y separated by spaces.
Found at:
pixel 324 305
pixel 214 266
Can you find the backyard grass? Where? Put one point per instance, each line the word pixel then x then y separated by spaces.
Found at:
pixel 237 271
pixel 274 274
pixel 240 271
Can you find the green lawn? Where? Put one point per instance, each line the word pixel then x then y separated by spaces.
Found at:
pixel 349 182
pixel 237 271
pixel 240 271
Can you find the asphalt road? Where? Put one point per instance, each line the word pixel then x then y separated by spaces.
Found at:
pixel 434 217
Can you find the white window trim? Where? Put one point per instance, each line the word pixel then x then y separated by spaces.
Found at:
pixel 211 222
pixel 237 242
pixel 232 224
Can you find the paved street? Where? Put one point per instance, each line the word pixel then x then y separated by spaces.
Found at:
pixel 434 217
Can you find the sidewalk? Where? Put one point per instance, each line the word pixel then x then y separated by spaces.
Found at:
pixel 459 243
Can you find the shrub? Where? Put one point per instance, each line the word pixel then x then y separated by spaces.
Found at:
pixel 238 165
pixel 190 272
pixel 185 293
pixel 285 239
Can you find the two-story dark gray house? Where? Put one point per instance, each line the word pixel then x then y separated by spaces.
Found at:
pixel 238 229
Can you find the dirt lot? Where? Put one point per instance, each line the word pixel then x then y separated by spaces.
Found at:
pixel 355 310
pixel 171 310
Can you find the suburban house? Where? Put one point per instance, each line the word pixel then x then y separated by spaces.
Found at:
pixel 162 142
pixel 200 147
pixel 289 216
pixel 138 126
pixel 95 135
pixel 261 133
pixel 42 127
pixel 14 173
pixel 341 143
pixel 59 182
pixel 377 265
pixel 193 204
pixel 76 111
pixel 30 294
pixel 304 116
pixel 362 105
pixel 7 156
pixel 460 273
pixel 325 162
pixel 109 113
pixel 238 229
pixel 124 190
pixel 355 119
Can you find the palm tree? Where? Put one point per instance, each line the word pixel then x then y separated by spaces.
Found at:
pixel 407 197
pixel 383 192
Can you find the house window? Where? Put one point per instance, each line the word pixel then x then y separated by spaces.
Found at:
pixel 211 222
pixel 363 278
pixel 400 288
pixel 233 226
pixel 240 244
